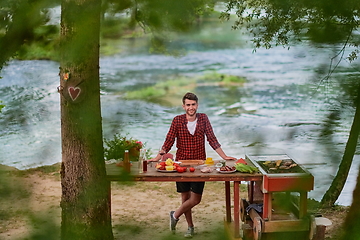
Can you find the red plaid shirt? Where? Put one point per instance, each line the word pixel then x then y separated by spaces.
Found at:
pixel 190 147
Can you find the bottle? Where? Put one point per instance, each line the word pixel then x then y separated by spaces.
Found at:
pixel 126 161
pixel 144 161
pixel 141 161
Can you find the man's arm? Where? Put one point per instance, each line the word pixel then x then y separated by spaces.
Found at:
pixel 169 142
pixel 223 155
pixel 213 140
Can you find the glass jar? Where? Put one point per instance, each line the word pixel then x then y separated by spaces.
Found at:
pixel 126 161
pixel 142 161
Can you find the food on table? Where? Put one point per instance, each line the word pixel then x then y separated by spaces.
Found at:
pixel 169 162
pixel 209 161
pixel 244 168
pixel 206 170
pixel 180 169
pixel 170 168
pixel 278 162
pixel 227 169
pixel 192 162
pixel 168 165
pixel 241 160
pixel 160 166
pixel 280 166
pixel 192 169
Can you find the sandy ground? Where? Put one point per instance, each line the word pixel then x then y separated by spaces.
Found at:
pixel 30 202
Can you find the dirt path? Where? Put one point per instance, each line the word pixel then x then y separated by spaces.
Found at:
pixel 30 206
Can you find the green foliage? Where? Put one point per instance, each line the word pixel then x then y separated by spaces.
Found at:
pixel 116 147
pixel 160 89
pixel 177 86
pixel 44 46
pixel 26 34
pixel 18 23
pixel 146 93
pixel 44 227
pixel 163 16
pixel 170 15
pixel 278 22
pixel 1 106
pixel 244 168
pixel 54 169
pixel 223 79
pixel 113 27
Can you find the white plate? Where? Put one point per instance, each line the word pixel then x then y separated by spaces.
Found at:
pixel 219 165
pixel 165 170
pixel 173 162
pixel 225 171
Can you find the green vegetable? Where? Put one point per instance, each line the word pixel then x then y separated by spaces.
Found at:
pixel 240 167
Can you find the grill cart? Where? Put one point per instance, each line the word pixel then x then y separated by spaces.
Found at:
pixel 282 194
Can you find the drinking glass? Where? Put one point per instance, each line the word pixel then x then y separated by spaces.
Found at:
pixel 162 153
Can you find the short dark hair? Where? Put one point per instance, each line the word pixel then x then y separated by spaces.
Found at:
pixel 190 96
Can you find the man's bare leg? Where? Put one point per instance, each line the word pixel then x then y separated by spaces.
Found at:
pixel 189 200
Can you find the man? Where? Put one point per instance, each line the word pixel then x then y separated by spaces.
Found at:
pixel 189 130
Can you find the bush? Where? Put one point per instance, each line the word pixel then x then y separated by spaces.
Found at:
pixel 116 147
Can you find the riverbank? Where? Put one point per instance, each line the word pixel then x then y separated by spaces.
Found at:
pixel 31 208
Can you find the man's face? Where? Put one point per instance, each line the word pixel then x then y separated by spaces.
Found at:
pixel 190 107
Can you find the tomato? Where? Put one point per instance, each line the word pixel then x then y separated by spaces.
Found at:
pixel 184 168
pixel 180 170
pixel 192 169
pixel 241 160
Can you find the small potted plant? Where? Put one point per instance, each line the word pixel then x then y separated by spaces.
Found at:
pixel 115 148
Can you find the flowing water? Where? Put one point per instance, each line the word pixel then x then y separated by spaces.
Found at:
pixel 280 109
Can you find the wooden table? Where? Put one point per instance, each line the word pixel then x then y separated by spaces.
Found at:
pixel 114 172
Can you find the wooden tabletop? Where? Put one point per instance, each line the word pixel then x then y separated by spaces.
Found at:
pixel 114 174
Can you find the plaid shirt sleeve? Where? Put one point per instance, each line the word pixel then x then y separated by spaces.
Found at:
pixel 171 135
pixel 190 146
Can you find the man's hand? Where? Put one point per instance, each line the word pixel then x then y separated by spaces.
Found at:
pixel 223 155
pixel 155 159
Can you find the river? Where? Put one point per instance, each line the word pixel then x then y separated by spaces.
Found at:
pixel 280 109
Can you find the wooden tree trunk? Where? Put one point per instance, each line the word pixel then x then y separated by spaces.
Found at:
pixel 334 191
pixel 352 221
pixel 85 191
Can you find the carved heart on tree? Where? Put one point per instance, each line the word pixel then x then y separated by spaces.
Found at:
pixel 74 92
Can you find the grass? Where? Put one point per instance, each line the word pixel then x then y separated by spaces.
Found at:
pixel 175 87
pixel 138 209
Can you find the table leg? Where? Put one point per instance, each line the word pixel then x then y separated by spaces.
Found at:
pixel 303 205
pixel 227 201
pixel 236 209
pixel 267 206
pixel 251 191
pixel 109 194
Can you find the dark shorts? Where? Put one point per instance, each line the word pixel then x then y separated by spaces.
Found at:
pixel 196 187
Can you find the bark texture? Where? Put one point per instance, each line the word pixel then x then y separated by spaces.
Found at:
pixel 352 221
pixel 85 191
pixel 338 183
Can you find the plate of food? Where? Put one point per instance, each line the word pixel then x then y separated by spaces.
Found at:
pixel 167 166
pixel 226 169
pixel 166 171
